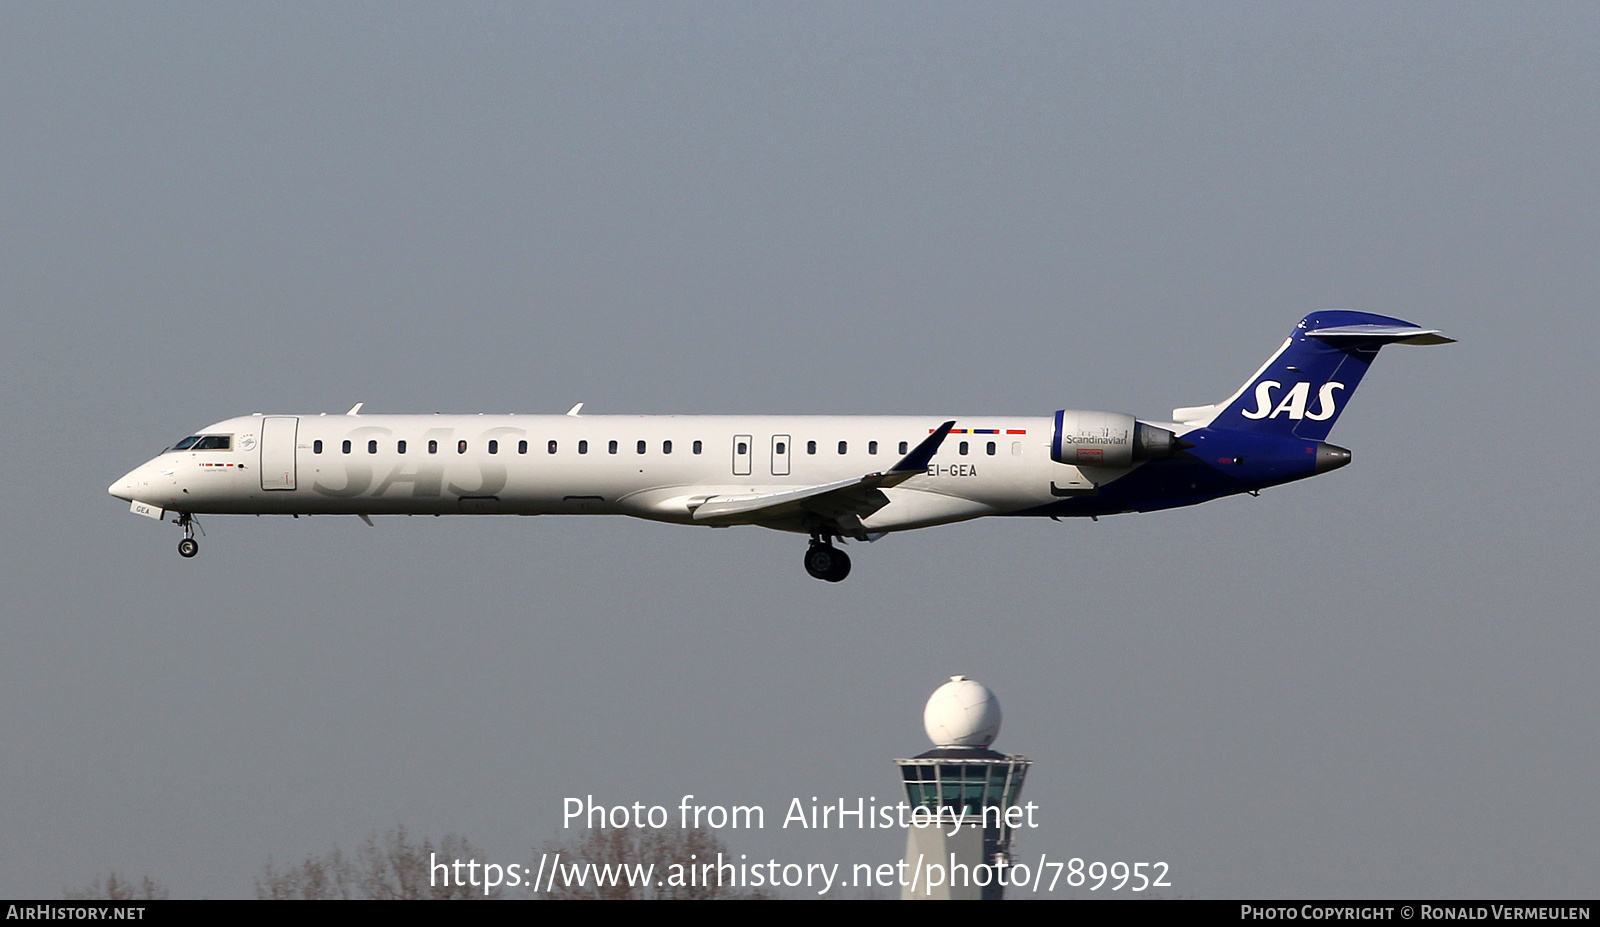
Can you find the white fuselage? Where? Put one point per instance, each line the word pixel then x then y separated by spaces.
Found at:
pixel 832 477
pixel 651 466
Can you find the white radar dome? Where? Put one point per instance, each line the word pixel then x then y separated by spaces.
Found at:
pixel 962 713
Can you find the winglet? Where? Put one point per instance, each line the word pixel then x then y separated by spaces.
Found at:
pixel 356 409
pixel 915 462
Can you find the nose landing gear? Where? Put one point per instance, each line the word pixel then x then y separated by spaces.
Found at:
pixel 188 547
pixel 826 562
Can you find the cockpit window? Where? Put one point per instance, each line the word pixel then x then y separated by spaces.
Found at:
pixel 205 443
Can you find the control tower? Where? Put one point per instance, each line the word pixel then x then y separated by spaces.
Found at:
pixel 961 776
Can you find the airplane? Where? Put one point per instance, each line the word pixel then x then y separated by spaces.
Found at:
pixel 829 477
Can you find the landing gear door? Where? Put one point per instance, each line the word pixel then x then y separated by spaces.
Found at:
pixel 780 455
pixel 741 455
pixel 278 434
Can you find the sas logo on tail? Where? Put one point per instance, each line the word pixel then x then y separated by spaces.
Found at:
pixel 1294 402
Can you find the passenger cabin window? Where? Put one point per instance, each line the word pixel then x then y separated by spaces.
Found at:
pixel 697 447
pixel 843 446
pixel 522 447
pixel 347 447
pixel 666 447
pixel 461 447
pixel 872 447
pixel 991 448
pixel 781 448
pixel 904 448
pixel 583 447
pixel 494 447
pixel 552 447
pixel 811 447
pixel 641 447
pixel 611 448
pixel 963 449
pixel 316 447
pixel 743 448
pixel 400 447
pixel 433 447
pixel 372 446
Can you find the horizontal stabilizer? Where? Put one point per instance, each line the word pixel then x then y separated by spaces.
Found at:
pixel 1381 334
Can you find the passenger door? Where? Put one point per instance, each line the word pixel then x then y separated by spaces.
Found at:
pixel 278 435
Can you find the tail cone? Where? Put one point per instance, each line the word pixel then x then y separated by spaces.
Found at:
pixel 1331 457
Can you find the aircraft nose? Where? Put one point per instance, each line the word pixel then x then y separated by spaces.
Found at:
pixel 123 488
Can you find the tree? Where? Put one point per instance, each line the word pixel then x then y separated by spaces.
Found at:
pixel 117 888
pixel 389 867
pixel 317 878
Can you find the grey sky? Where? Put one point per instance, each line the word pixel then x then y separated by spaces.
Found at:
pixel 1379 682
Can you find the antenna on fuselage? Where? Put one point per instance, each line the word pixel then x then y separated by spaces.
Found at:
pixel 356 409
pixel 574 410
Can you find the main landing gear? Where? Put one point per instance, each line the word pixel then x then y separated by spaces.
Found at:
pixel 187 547
pixel 824 561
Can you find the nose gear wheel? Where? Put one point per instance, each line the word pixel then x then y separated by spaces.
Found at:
pixel 188 547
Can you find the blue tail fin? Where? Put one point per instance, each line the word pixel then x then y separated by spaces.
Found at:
pixel 1300 391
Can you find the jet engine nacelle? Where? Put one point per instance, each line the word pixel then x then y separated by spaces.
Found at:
pixel 1108 439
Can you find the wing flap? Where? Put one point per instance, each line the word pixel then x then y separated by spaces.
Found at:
pixel 728 506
